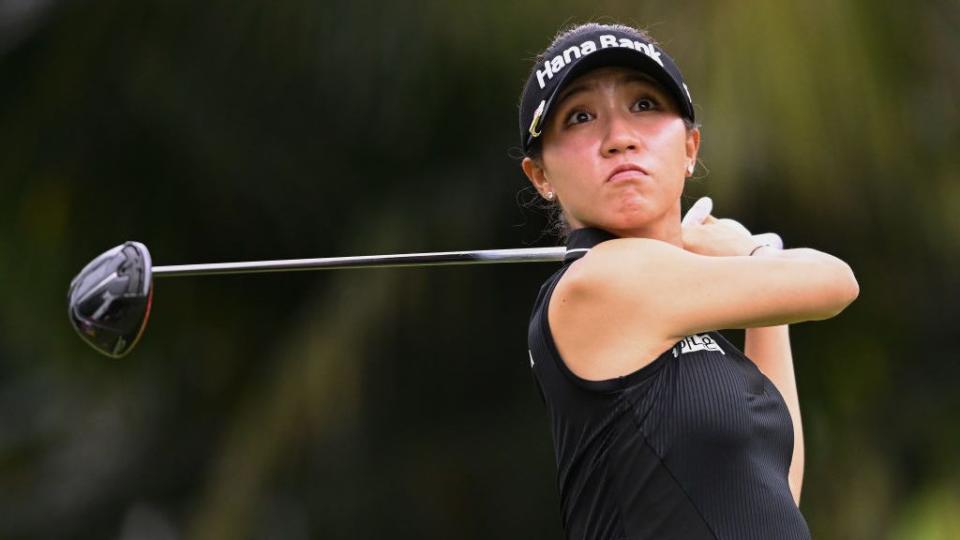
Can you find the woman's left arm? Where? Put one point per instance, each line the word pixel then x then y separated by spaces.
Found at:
pixel 769 348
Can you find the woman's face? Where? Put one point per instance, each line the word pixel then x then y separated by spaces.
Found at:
pixel 615 152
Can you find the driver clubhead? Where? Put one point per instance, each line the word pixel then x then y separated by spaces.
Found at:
pixel 109 300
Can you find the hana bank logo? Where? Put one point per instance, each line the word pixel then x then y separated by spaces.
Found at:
pixel 552 66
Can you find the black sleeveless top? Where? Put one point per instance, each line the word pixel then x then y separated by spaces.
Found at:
pixel 697 444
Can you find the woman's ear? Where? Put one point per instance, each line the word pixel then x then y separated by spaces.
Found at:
pixel 537 176
pixel 692 147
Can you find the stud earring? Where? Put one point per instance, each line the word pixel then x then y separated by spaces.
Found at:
pixel 690 168
pixel 549 196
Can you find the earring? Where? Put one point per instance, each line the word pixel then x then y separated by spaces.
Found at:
pixel 548 196
pixel 690 168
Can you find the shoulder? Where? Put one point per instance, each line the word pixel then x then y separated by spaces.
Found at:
pixel 603 317
pixel 614 264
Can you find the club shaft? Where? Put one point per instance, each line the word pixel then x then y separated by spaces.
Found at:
pixel 445 258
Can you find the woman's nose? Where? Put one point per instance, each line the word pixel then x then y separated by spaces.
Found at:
pixel 620 138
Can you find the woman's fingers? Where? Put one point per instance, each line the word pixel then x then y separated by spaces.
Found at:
pixel 736 225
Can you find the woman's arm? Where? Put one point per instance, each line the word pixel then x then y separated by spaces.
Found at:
pixel 629 299
pixel 769 348
pixel 672 292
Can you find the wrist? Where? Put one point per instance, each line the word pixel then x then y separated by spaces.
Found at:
pixel 746 247
pixel 762 249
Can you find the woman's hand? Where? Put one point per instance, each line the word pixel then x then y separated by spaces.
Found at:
pixel 707 235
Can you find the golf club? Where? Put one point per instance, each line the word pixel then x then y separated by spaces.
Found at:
pixel 110 299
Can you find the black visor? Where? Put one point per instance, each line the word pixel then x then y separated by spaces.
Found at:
pixel 597 46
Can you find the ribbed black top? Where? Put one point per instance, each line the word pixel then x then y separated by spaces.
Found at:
pixel 697 444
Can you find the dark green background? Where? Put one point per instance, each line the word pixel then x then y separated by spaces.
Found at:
pixel 399 403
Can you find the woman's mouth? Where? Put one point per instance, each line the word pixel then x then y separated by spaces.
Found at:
pixel 627 171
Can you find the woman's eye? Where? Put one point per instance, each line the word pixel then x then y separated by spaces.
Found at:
pixel 579 117
pixel 645 104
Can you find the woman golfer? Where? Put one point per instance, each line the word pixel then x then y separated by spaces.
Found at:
pixel 662 429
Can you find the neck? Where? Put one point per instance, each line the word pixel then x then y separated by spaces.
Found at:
pixel 665 228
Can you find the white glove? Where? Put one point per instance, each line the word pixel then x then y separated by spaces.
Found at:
pixel 702 208
pixel 698 212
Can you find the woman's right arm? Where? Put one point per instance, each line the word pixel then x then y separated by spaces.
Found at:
pixel 672 292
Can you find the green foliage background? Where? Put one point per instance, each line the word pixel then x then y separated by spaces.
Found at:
pixel 398 403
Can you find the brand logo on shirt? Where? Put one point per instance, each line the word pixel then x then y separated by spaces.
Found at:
pixel 697 342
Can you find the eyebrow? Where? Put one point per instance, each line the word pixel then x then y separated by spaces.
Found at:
pixel 626 78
